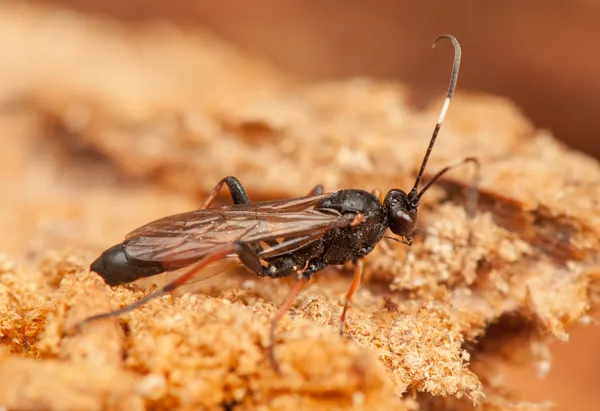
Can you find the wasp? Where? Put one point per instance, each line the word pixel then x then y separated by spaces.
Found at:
pixel 298 236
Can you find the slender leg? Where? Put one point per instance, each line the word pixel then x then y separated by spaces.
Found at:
pixel 317 190
pixel 248 257
pixel 303 279
pixel 182 279
pixel 283 309
pixel 473 188
pixel 358 271
pixel 238 194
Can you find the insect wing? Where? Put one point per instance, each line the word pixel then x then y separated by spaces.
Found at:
pixel 182 239
pixel 203 216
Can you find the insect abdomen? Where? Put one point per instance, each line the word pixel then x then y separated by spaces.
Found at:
pixel 118 267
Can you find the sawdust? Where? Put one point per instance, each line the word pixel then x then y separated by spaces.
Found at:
pixel 111 147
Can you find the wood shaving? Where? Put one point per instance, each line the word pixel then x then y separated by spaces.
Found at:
pixel 148 133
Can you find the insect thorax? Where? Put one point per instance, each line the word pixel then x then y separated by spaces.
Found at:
pixel 338 245
pixel 346 244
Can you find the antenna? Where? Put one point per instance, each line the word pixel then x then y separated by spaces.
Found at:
pixel 451 87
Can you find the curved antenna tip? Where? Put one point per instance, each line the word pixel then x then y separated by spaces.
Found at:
pixel 444 110
pixel 448 37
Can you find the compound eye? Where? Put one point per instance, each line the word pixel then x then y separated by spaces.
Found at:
pixel 405 220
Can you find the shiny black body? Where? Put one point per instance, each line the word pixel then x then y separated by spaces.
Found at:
pixel 337 246
pixel 275 238
pixel 116 266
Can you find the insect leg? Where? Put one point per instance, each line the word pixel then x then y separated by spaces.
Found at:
pixel 182 279
pixel 473 187
pixel 248 257
pixel 317 190
pixel 303 279
pixel 278 267
pixel 358 271
pixel 238 194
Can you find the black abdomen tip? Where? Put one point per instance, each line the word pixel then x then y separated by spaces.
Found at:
pixel 115 266
pixel 98 267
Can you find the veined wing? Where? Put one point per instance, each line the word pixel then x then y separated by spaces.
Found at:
pixel 184 238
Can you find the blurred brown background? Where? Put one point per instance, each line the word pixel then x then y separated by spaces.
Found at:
pixel 541 55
